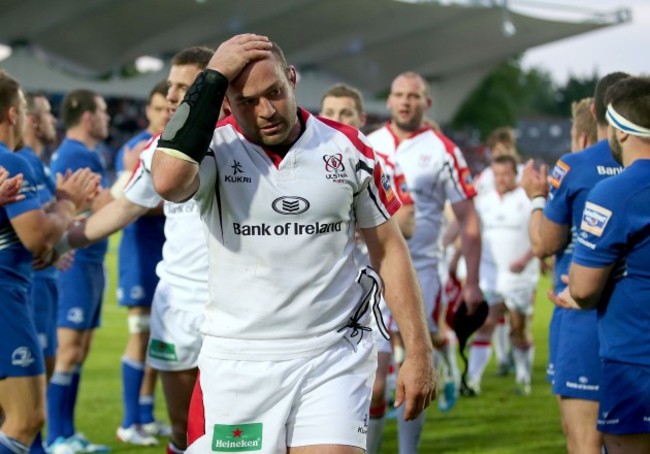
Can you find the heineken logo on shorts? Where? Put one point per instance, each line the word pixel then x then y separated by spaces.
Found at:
pixel 162 350
pixel 237 438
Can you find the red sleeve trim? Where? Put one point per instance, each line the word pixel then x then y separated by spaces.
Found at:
pixel 464 175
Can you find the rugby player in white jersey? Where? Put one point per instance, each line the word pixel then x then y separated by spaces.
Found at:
pixel 344 104
pixel 181 294
pixel 286 363
pixel 436 172
pixel 509 272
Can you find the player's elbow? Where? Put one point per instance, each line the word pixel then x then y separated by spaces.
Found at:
pixel 539 251
pixel 584 297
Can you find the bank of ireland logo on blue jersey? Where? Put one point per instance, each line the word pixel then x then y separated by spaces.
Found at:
pixel 595 218
pixel 557 175
pixel 22 357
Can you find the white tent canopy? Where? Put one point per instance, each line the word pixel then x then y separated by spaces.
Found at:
pixel 361 42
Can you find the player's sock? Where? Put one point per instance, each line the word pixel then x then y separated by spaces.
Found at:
pixel 452 361
pixel 479 356
pixel 37 445
pixel 58 391
pixel 409 432
pixel 71 404
pixel 10 445
pixel 132 375
pixel 375 428
pixel 501 341
pixel 523 363
pixel 443 355
pixel 172 449
pixel 146 405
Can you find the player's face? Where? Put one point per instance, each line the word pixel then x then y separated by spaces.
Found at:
pixel 615 146
pixel 21 120
pixel 342 109
pixel 157 112
pixel 263 102
pixel 407 103
pixel 505 177
pixel 179 81
pixel 99 120
pixel 43 121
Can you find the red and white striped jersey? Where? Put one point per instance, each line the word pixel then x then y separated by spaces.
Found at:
pixel 435 172
pixel 281 235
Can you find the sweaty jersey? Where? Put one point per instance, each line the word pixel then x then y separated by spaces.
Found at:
pixel 435 171
pixel 281 236
pixel 73 155
pixel 46 190
pixel 15 259
pixel 573 176
pixel 504 239
pixel 184 264
pixel 615 230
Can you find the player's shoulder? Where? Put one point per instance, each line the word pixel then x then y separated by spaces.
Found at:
pixel 349 138
pixel 15 163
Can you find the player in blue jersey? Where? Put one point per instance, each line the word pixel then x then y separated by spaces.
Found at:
pixel 139 252
pixel 81 287
pixel 177 309
pixel 27 229
pixel 610 271
pixel 9 187
pixel 553 227
pixel 40 131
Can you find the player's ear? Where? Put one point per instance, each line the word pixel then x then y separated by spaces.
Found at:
pixel 292 75
pixel 583 140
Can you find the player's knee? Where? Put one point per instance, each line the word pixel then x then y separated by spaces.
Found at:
pixel 29 423
pixel 68 356
pixel 139 323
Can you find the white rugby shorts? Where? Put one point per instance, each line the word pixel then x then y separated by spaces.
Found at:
pixel 175 339
pixel 265 406
pixel 519 300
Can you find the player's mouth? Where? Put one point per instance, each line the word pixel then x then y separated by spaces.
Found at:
pixel 271 129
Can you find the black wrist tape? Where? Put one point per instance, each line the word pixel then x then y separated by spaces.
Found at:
pixel 190 129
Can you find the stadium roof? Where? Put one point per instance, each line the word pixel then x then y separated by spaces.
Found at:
pixel 362 42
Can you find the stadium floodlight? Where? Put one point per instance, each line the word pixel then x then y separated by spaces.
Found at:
pixel 5 52
pixel 148 64
pixel 507 27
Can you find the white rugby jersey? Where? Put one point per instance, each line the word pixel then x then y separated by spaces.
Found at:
pixel 435 171
pixel 484 182
pixel 504 236
pixel 184 265
pixel 280 239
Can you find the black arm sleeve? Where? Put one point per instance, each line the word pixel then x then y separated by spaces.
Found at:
pixel 190 129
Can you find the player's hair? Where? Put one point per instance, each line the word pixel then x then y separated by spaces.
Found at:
pixel 504 135
pixel 506 159
pixel 30 99
pixel 345 91
pixel 159 89
pixel 9 88
pixel 583 120
pixel 630 97
pixel 198 56
pixel 414 75
pixel 75 104
pixel 600 106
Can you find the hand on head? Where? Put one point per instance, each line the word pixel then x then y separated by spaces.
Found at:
pixel 232 56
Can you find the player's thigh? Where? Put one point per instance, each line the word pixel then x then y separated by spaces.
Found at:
pixel 22 399
pixel 624 444
pixel 580 418
pixel 177 388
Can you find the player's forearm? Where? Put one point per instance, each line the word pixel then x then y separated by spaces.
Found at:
pixel 586 285
pixel 108 220
pixel 403 294
pixel 534 233
pixel 174 179
pixel 52 229
pixel 470 237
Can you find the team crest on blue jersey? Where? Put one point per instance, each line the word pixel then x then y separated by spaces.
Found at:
pixel 557 175
pixel 595 219
pixel 22 357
